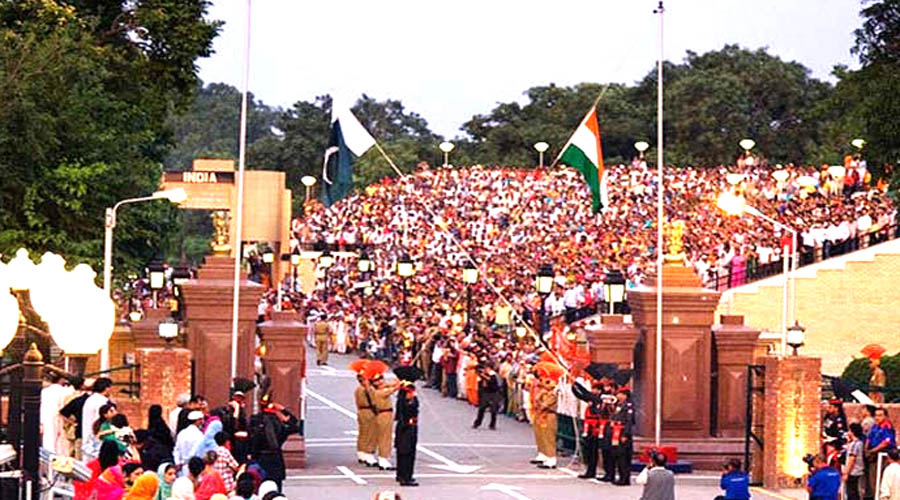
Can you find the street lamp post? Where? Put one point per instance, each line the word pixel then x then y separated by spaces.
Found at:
pixel 641 146
pixel 157 275
pixel 541 147
pixel 543 283
pixel 308 181
pixel 176 196
pixel 470 277
pixel 747 145
pixel 326 260
pixel 79 316
pixel 295 262
pixel 736 205
pixel 405 269
pixel 446 147
pixel 614 288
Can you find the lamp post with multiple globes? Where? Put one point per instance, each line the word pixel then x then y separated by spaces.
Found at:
pixel 79 317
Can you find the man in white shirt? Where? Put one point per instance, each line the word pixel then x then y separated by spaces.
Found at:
pixel 182 400
pixel 659 482
pixel 890 478
pixel 90 443
pixel 187 439
pixel 53 397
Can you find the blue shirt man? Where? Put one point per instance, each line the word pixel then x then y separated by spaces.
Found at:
pixel 825 482
pixel 736 484
pixel 881 435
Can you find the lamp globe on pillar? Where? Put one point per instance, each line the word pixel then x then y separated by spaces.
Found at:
pixel 446 147
pixel 543 282
pixel 168 331
pixel 796 336
pixel 641 146
pixel 365 264
pixel 326 260
pixel 308 182
pixel 541 148
pixel 470 277
pixel 614 289
pixel 157 274
pixel 405 267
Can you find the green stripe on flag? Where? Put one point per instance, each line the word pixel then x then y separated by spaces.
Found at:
pixel 575 158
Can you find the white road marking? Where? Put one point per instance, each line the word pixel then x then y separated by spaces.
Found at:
pixel 568 471
pixel 352 475
pixel 330 440
pixel 507 489
pixel 432 475
pixel 448 464
pixel 318 407
pixel 335 442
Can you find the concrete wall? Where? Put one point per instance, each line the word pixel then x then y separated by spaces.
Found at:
pixel 844 304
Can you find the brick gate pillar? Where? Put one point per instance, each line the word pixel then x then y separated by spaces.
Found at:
pixel 207 306
pixel 793 394
pixel 164 374
pixel 612 341
pixel 735 347
pixel 285 360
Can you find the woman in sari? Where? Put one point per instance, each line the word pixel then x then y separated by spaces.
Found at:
pixel 110 483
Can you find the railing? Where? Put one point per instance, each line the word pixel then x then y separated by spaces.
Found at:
pixel 131 388
pixel 724 279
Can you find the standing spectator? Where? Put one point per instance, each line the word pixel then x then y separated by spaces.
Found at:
pixel 209 481
pixel 158 428
pixel 225 463
pixel 890 481
pixel 855 463
pixel 152 453
pixel 188 439
pixel 735 482
pixel 659 482
pixel 450 365
pixel 880 438
pixel 53 399
pixel 72 412
pixel 824 482
pixel 90 442
pixel 181 402
pixel 488 395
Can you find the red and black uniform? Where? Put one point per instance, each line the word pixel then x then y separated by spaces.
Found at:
pixel 621 441
pixel 595 432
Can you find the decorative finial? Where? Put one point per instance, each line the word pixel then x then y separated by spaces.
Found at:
pixel 675 255
pixel 221 242
pixel 33 355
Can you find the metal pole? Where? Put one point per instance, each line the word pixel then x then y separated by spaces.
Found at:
pixel 446 160
pixel 33 365
pixel 794 255
pixel 107 271
pixel 659 229
pixel 468 309
pixel 541 158
pixel 242 161
pixel 784 298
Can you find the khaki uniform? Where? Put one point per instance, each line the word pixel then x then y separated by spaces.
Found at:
pixel 545 421
pixel 384 418
pixel 365 417
pixel 322 332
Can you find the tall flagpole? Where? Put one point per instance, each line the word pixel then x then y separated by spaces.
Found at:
pixel 660 221
pixel 242 161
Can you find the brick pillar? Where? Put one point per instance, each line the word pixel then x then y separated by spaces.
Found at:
pixel 688 312
pixel 735 346
pixel 792 418
pixel 285 357
pixel 612 341
pixel 146 331
pixel 165 373
pixel 208 307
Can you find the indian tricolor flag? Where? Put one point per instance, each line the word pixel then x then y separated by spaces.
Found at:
pixel 584 153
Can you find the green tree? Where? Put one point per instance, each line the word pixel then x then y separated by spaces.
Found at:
pixel 86 87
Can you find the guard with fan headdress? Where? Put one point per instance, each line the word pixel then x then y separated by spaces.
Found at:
pixel 406 432
pixel 365 416
pixel 269 429
pixel 545 405
pixel 596 430
pixel 380 393
pixel 621 438
pixel 234 418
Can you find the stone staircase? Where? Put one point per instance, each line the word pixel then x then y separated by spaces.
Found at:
pixel 844 303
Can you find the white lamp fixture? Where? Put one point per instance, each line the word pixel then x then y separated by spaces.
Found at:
pixel 405 267
pixel 446 147
pixel 858 143
pixel 157 275
pixel 614 287
pixel 364 264
pixel 470 274
pixel 780 175
pixel 176 196
pixel 541 147
pixel 520 332
pixel 308 181
pixel 168 330
pixel 731 204
pixel 544 280
pixel 295 259
pixel 268 256
pixel 641 146
pixel 747 144
pixel 807 181
pixel 796 335
pixel 734 178
pixel 326 260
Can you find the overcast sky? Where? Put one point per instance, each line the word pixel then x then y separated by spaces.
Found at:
pixel 448 60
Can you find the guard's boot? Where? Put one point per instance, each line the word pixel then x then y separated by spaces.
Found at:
pixel 385 464
pixel 539 459
pixel 550 463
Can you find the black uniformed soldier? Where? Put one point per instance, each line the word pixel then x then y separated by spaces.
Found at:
pixel 621 438
pixel 406 433
pixel 593 421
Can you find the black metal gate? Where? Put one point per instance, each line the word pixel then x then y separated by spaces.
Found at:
pixel 755 386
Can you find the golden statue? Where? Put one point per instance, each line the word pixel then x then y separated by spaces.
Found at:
pixel 221 242
pixel 675 232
